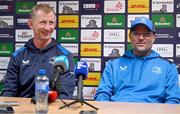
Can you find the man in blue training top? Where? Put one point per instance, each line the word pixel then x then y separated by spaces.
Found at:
pixel 140 75
pixel 36 54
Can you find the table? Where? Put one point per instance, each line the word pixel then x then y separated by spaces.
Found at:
pixel 26 107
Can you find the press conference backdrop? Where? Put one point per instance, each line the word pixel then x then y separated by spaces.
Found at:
pixel 93 30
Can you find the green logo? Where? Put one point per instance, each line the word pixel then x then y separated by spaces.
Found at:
pixel 114 21
pixel 68 35
pixel 6 49
pixel 163 20
pixel 75 60
pixel 129 47
pixel 24 7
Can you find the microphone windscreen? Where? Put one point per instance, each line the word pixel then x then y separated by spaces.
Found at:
pixel 81 69
pixel 60 61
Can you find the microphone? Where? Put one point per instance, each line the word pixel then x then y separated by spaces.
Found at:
pixel 61 65
pixel 81 72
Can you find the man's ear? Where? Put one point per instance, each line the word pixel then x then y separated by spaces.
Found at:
pixel 30 23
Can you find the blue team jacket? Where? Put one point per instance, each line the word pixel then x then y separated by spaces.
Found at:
pixel 148 79
pixel 24 65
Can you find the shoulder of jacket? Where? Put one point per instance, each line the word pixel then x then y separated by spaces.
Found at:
pixel 170 62
pixel 19 51
pixel 63 50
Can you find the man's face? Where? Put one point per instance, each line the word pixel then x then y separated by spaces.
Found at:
pixel 142 40
pixel 43 25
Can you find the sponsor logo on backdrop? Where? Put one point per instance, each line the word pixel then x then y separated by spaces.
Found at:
pixel 88 92
pixel 162 6
pixel 91 21
pixel 68 21
pixel 92 79
pixel 179 34
pixel 114 21
pixel 73 48
pixel 68 7
pixel 114 6
pixel 177 6
pixel 23 35
pixel 91 7
pixel 138 6
pixel 94 64
pixel 93 35
pixel 4 62
pixel 51 3
pixel 7 34
pixel 6 49
pixel 18 46
pixel 6 22
pixel 2 74
pixel 24 7
pixel 165 50
pixel 165 33
pixel 163 21
pixel 113 50
pixel 91 50
pixel 177 20
pixel 22 21
pixel 178 50
pixel 6 8
pixel 68 35
pixel 114 35
pixel 133 17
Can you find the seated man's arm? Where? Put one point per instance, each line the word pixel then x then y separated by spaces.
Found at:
pixel 11 79
pixel 105 89
pixel 68 80
pixel 172 86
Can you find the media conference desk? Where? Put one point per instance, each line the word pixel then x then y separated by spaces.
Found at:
pixel 26 107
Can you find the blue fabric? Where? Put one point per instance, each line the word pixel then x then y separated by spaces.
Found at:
pixel 24 65
pixel 148 79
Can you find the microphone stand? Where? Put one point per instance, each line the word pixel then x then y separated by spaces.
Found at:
pixel 58 71
pixel 80 98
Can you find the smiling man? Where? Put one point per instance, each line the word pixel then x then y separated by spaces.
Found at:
pixel 24 63
pixel 140 75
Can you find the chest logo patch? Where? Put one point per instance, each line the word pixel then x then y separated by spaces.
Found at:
pixel 157 70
